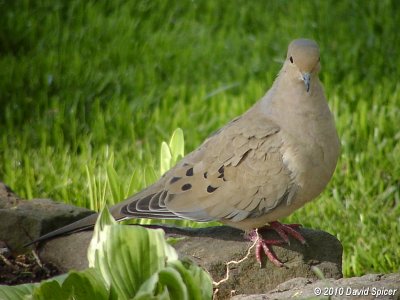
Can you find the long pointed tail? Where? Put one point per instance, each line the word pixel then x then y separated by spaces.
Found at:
pixel 82 224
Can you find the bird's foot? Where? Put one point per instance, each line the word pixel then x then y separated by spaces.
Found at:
pixel 285 230
pixel 264 245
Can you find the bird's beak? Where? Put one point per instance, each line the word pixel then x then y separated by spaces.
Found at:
pixel 307 80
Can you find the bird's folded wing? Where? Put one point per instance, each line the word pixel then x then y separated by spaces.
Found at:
pixel 237 173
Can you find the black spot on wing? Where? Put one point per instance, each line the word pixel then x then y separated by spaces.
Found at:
pixel 174 179
pixel 189 172
pixel 211 189
pixel 186 187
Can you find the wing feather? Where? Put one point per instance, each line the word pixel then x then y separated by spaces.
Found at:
pixel 237 173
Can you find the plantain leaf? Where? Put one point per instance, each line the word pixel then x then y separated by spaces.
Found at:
pixel 126 262
pixel 127 256
pixel 51 290
pixel 87 284
pixel 172 280
pixel 18 292
pixel 192 276
pixel 177 146
pixel 165 158
pixel 25 291
pixel 152 290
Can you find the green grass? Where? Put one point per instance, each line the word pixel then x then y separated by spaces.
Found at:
pixel 90 89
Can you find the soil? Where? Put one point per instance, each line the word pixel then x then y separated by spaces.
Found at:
pixel 24 268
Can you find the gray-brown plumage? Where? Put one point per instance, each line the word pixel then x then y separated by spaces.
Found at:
pixel 258 168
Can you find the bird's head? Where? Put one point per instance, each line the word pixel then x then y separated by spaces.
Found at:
pixel 303 60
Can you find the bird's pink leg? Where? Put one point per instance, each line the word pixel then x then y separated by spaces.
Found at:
pixel 286 229
pixel 263 245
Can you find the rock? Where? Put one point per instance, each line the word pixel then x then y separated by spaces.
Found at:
pixel 22 220
pixel 370 286
pixel 213 247
pixel 67 252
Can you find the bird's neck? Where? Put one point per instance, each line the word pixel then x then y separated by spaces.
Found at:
pixel 289 92
pixel 289 104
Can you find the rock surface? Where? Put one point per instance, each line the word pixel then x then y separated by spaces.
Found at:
pixel 213 247
pixel 22 221
pixel 371 286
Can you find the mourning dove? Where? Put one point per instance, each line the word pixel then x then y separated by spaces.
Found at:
pixel 260 167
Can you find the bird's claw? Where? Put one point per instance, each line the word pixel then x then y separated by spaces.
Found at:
pixel 264 245
pixel 284 230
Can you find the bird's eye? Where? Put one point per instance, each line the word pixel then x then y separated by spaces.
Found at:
pixel 291 59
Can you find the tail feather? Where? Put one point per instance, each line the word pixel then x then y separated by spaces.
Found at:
pixel 118 211
pixel 82 224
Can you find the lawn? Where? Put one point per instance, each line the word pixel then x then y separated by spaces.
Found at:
pixel 90 89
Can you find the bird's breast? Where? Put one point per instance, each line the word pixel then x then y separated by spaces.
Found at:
pixel 311 157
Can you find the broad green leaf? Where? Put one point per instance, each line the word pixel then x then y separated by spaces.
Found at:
pixel 179 280
pixel 146 290
pixel 25 291
pixel 127 262
pixel 173 281
pixel 50 290
pixel 87 284
pixel 177 146
pixel 152 290
pixel 202 280
pixel 104 219
pixel 165 158
pixel 197 281
pixel 127 255
pixel 18 292
pixel 172 152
